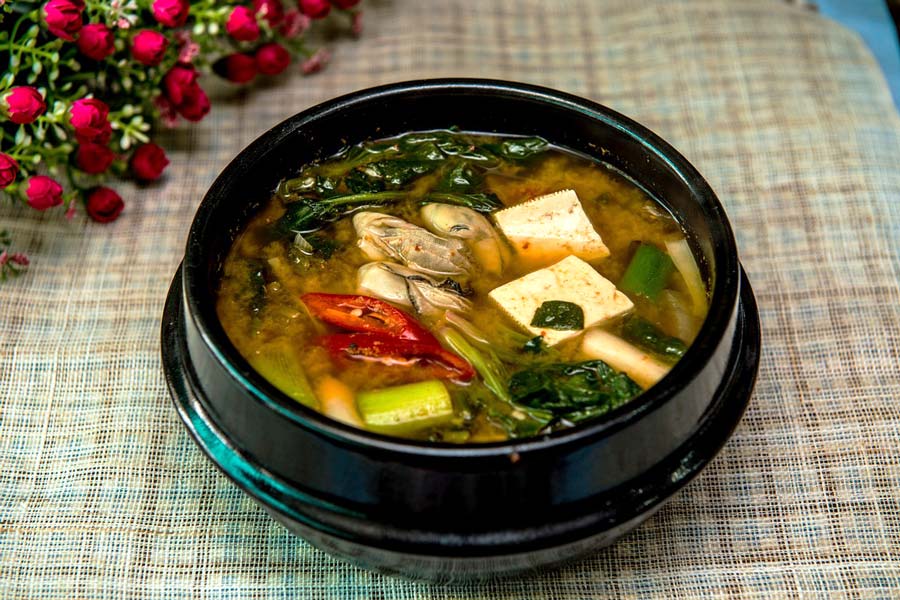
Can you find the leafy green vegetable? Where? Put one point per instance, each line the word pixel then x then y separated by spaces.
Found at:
pixel 479 202
pixel 647 272
pixel 519 148
pixel 309 213
pixel 373 174
pixel 459 178
pixel 642 333
pixel 519 420
pixel 535 345
pixel 558 314
pixel 256 275
pixel 569 389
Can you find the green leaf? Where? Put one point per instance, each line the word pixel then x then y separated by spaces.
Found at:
pixel 558 314
pixel 642 333
pixel 535 345
pixel 569 388
pixel 519 148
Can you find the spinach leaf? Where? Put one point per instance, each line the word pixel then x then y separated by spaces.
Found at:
pixel 459 178
pixel 558 314
pixel 535 345
pixel 518 148
pixel 567 389
pixel 642 333
pixel 358 181
pixel 397 173
pixel 479 202
pixel 309 213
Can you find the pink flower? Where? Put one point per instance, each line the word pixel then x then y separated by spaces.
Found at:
pixel 171 13
pixel 103 204
pixel 345 4
pixel 88 117
pixel 93 158
pixel 43 192
pixel 148 47
pixel 24 104
pixel 148 162
pixel 270 10
pixel 187 49
pixel 241 24
pixel 9 168
pixel 236 68
pixel 63 18
pixel 96 41
pixel 184 93
pixel 295 23
pixel 316 62
pixel 315 9
pixel 272 59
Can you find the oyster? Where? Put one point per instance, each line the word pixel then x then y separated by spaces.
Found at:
pixel 386 237
pixel 466 224
pixel 428 296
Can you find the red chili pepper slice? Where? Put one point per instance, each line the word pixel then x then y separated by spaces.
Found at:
pixel 437 362
pixel 365 314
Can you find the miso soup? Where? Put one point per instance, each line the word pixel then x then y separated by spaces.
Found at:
pixel 463 288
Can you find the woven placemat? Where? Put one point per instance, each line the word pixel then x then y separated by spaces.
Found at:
pixel 102 493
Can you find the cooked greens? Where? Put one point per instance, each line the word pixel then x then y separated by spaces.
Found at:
pixel 573 391
pixel 643 333
pixel 558 314
pixel 376 174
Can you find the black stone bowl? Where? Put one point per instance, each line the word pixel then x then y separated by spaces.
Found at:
pixel 440 511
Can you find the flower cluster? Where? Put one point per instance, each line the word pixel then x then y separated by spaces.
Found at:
pixel 85 83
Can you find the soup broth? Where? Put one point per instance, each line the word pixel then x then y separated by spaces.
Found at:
pixel 463 288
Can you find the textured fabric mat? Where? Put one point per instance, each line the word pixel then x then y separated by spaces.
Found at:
pixel 103 494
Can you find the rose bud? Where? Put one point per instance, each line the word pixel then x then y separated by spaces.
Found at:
pixel 195 105
pixel 270 10
pixel 24 104
pixel 9 168
pixel 96 41
pixel 148 47
pixel 171 13
pixel 236 68
pixel 345 4
pixel 241 24
pixel 148 162
pixel 272 59
pixel 43 192
pixel 63 18
pixel 176 81
pixel 93 158
pixel 314 9
pixel 186 96
pixel 103 204
pixel 88 117
pixel 356 26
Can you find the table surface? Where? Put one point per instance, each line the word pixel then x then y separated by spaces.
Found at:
pixel 103 494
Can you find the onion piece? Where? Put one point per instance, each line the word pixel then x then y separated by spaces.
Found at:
pixel 684 260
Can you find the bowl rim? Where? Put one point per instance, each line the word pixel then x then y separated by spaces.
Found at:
pixel 723 300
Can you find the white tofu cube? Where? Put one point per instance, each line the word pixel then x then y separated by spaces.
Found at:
pixel 570 280
pixel 550 227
